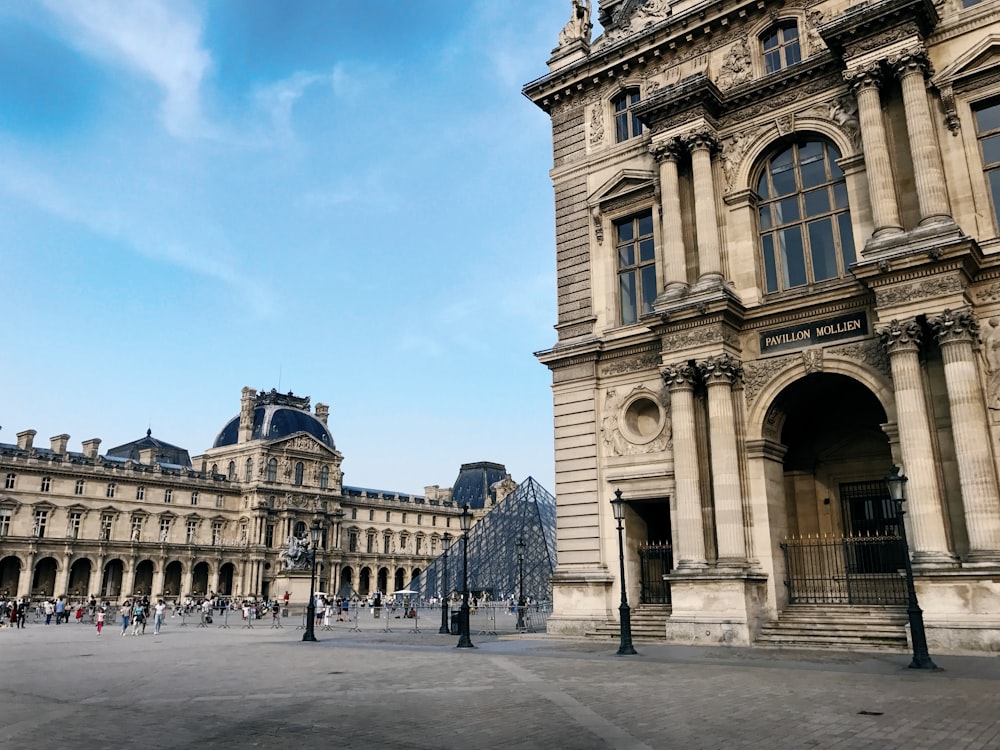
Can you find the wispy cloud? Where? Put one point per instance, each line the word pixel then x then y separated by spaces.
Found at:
pixel 158 40
pixel 277 100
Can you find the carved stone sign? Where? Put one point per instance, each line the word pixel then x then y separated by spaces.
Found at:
pixel 814 332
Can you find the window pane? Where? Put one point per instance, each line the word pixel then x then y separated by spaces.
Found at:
pixel 625 231
pixel 846 240
pixel 770 274
pixel 786 211
pixel 988 118
pixel 792 54
pixel 782 176
pixel 772 61
pixel 792 259
pixel 765 217
pixel 626 256
pixel 823 250
pixel 770 41
pixel 648 288
pixel 621 127
pixel 995 189
pixel 636 126
pixel 840 195
pixel 645 224
pixel 645 251
pixel 817 202
pixel 813 173
pixel 762 186
pixel 991 150
pixel 790 32
pixel 628 303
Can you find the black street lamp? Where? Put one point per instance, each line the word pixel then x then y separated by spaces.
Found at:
pixel 316 534
pixel 521 601
pixel 921 657
pixel 465 520
pixel 445 629
pixel 625 615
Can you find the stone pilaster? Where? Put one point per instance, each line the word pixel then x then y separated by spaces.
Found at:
pixel 673 260
pixel 902 340
pixel 864 82
pixel 956 332
pixel 720 373
pixel 702 145
pixel 680 380
pixel 912 67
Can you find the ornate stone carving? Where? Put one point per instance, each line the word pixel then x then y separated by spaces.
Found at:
pixel 701 139
pixel 596 127
pixel 870 352
pixel 923 289
pixel 669 149
pixel 883 39
pixel 736 68
pixel 844 113
pixel 991 353
pixel 772 419
pixel 899 335
pixel 734 149
pixel 812 359
pixel 579 26
pixel 785 124
pixel 951 120
pixel 680 376
pixel 646 361
pixel 709 334
pixel 990 293
pixel 814 41
pixel 913 60
pixel 757 373
pixel 616 442
pixel 723 368
pixel 954 326
pixel 595 217
pixel 863 77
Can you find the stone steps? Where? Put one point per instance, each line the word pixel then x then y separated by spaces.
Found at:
pixel 648 621
pixel 867 628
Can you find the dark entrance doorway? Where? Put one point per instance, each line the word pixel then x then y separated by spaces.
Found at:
pixel 10 574
pixel 656 552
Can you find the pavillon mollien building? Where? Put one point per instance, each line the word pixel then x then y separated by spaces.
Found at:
pixel 778 276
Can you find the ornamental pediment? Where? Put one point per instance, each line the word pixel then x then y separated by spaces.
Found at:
pixel 625 185
pixel 303 442
pixel 983 58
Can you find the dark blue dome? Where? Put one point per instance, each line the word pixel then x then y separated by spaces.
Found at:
pixel 271 422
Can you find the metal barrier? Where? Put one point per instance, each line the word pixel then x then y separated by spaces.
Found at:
pixel 845 570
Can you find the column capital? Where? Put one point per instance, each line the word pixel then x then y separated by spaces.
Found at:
pixel 898 336
pixel 679 377
pixel 701 139
pixel 722 368
pixel 955 326
pixel 668 150
pixel 911 60
pixel 864 77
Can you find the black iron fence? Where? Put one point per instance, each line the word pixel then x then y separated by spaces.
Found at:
pixel 656 561
pixel 845 570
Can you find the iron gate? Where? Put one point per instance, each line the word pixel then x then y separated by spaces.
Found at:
pixel 845 570
pixel 656 560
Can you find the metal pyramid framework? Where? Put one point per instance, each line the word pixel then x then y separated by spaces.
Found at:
pixel 529 513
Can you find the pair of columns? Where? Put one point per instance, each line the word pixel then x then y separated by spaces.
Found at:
pixel 911 67
pixel 956 333
pixel 718 374
pixel 701 145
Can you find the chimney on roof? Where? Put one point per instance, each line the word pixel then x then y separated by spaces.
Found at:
pixel 26 439
pixel 246 415
pixel 59 443
pixel 90 447
pixel 322 413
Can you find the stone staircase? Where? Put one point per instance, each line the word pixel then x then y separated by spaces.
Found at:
pixel 847 627
pixel 649 623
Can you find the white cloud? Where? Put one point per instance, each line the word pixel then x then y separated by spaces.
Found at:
pixel 277 100
pixel 158 40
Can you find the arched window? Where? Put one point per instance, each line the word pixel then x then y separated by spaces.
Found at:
pixel 249 470
pixel 299 471
pixel 215 469
pixel 272 470
pixel 780 46
pixel 232 470
pixel 324 477
pixel 626 124
pixel 299 530
pixel 805 222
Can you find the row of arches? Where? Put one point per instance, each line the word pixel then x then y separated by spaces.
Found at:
pixel 365 585
pixel 113 583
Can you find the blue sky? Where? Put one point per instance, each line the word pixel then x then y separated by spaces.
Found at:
pixel 349 200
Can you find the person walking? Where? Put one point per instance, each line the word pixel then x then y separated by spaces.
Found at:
pixel 126 613
pixel 49 610
pixel 22 613
pixel 99 616
pixel 158 619
pixel 138 617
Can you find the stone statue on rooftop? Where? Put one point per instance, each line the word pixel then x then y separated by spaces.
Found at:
pixel 579 25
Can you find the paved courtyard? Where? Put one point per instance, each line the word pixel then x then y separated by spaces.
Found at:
pixel 195 687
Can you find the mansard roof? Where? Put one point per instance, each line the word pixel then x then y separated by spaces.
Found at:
pixel 165 454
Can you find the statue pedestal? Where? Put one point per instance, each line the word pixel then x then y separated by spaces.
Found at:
pixel 296 583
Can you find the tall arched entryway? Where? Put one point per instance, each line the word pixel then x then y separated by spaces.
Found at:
pixel 383 580
pixel 400 580
pixel 172 578
pixel 111 579
pixel 44 581
pixel 142 583
pixel 365 583
pixel 226 579
pixel 346 587
pixel 199 581
pixel 10 574
pixel 79 577
pixel 833 521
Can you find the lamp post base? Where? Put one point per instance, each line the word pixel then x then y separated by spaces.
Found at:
pixel 444 629
pixel 921 656
pixel 626 648
pixel 465 640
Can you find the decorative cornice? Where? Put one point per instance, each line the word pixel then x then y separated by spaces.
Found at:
pixel 721 369
pixel 955 326
pixel 897 336
pixel 680 376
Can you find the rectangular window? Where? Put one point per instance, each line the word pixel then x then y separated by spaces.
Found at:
pixel 11 480
pixel 73 529
pixel 371 543
pixel 388 516
pixel 371 514
pixel 217 533
pixel 386 543
pixel 636 266
pixel 46 484
pixel 168 496
pixel 111 489
pixel 79 487
pixel 988 133
pixel 352 541
pixel 164 529
pixel 434 546
pixel 420 544
pixel 5 515
pixel 190 531
pixel 140 493
pixel 269 535
pixel 38 527
pixel 448 522
pixel 106 524
pixel 354 514
pixel 404 516
pixel 194 498
pixel 434 520
pixel 136 534
pixel 420 519
pixel 218 501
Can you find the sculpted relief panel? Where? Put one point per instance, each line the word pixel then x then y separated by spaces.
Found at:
pixel 636 423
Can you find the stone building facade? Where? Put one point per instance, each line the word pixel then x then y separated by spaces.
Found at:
pixel 777 255
pixel 146 518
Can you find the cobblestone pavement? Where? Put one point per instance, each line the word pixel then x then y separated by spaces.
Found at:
pixel 195 687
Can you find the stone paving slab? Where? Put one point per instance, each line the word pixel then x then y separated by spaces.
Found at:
pixel 209 687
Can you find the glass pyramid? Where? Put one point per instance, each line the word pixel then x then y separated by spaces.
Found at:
pixel 528 513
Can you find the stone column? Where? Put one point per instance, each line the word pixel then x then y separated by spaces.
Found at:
pixel 680 380
pixel 701 145
pixel 97 576
pixel 956 332
pixel 160 581
pixel 912 67
pixel 188 585
pixel 62 575
pixel 27 575
pixel 864 82
pixel 673 260
pixel 719 374
pixel 929 542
